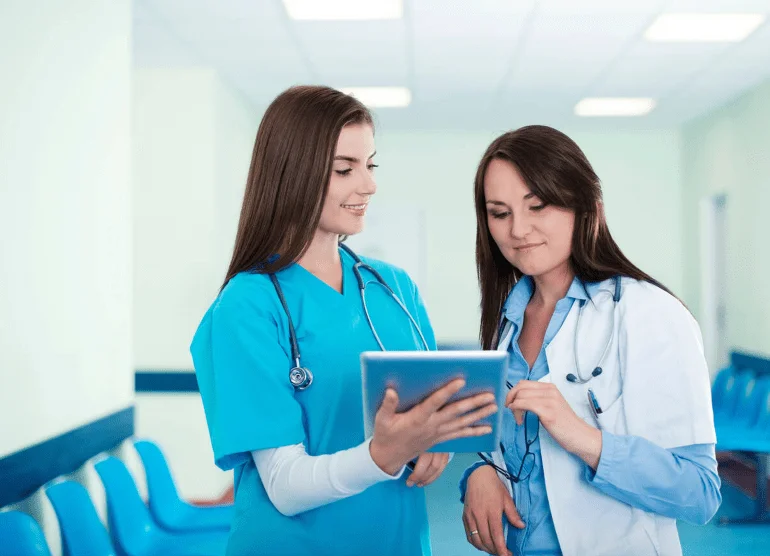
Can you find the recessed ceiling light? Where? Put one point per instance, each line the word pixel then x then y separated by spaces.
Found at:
pixel 380 97
pixel 623 106
pixel 344 10
pixel 703 27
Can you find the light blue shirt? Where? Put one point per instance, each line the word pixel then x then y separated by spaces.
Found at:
pixel 242 359
pixel 680 483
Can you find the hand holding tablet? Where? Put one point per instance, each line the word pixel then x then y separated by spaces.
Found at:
pixel 432 401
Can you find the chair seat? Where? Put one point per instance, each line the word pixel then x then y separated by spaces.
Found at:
pixel 196 518
pixel 161 543
pixel 759 445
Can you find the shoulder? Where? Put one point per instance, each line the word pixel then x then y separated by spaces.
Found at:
pixel 644 302
pixel 394 275
pixel 246 293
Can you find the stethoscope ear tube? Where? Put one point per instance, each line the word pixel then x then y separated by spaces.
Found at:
pixel 301 377
pixel 577 378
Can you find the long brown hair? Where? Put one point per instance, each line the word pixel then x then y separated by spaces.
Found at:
pixel 558 173
pixel 289 176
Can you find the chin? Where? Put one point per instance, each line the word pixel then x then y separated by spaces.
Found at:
pixel 532 268
pixel 351 230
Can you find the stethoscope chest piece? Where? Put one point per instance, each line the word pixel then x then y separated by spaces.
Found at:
pixel 300 378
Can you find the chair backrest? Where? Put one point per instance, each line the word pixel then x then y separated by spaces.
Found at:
pixel 752 401
pixel 130 522
pixel 735 391
pixel 720 388
pixel 164 497
pixel 21 535
pixel 763 418
pixel 82 532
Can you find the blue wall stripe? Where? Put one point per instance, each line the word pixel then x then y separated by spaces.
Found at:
pixel 183 380
pixel 744 360
pixel 25 471
pixel 165 381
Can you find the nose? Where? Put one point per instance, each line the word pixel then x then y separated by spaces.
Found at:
pixel 368 186
pixel 521 225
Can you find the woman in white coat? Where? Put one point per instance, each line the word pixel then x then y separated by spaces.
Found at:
pixel 610 436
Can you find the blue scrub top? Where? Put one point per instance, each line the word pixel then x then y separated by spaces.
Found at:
pixel 242 358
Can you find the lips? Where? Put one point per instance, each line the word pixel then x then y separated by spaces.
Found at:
pixel 527 247
pixel 356 210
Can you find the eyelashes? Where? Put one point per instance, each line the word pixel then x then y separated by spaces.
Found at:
pixel 502 215
pixel 347 171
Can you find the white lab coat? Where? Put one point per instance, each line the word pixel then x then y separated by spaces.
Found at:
pixel 655 385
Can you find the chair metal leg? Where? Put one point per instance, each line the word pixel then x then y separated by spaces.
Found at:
pixel 761 515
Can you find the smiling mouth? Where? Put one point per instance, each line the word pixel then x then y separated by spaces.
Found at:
pixel 357 210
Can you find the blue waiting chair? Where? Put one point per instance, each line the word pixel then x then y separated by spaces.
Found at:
pixel 133 531
pixel 82 532
pixel 742 418
pixel 727 392
pixel 168 509
pixel 746 423
pixel 20 535
pixel 720 390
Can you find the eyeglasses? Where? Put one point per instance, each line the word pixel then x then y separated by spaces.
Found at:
pixel 528 460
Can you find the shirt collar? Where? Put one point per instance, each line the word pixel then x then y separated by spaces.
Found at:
pixel 522 291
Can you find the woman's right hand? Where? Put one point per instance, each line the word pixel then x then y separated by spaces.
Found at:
pixel 486 500
pixel 400 437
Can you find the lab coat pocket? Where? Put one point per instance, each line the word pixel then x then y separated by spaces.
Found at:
pixel 612 418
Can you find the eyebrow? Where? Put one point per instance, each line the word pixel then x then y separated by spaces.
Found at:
pixel 352 159
pixel 502 204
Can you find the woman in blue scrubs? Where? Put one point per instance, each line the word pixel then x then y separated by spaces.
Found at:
pixel 307 481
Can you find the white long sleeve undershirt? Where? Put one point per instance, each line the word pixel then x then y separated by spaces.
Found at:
pixel 296 482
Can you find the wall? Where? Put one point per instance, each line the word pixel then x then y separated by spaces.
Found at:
pixel 728 151
pixel 65 223
pixel 192 141
pixel 65 217
pixel 640 173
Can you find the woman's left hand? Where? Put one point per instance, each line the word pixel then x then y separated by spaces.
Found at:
pixel 557 417
pixel 428 468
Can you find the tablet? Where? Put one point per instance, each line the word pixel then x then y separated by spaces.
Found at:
pixel 415 375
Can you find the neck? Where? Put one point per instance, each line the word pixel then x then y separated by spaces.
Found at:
pixel 322 256
pixel 552 286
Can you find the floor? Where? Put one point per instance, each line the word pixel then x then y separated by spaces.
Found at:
pixel 448 537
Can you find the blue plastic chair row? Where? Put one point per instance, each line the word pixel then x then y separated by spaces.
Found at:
pixel 741 401
pixel 170 527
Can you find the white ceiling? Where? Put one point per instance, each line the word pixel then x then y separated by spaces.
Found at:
pixel 472 64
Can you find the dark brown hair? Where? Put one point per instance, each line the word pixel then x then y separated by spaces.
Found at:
pixel 558 173
pixel 289 176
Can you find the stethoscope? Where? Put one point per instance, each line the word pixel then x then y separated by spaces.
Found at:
pixel 496 459
pixel 301 377
pixel 577 377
